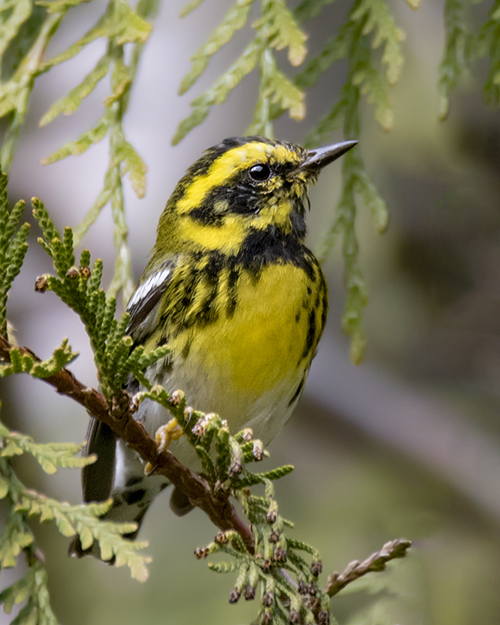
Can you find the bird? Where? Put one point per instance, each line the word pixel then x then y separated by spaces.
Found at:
pixel 238 298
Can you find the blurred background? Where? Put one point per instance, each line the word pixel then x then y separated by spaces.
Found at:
pixel 407 444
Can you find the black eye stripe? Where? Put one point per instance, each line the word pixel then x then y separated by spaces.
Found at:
pixel 260 172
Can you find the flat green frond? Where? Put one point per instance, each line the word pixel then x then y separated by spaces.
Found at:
pixel 84 520
pixel 372 85
pixel 326 126
pixel 17 593
pixel 353 279
pixel 108 324
pixel 93 213
pixel 234 20
pixel 280 28
pixel 60 250
pixel 70 103
pixel 288 96
pixel 134 166
pixel 101 29
pixel 20 12
pixel 4 487
pixel 95 277
pixel 191 6
pixel 13 539
pixel 11 94
pixel 456 48
pixel 128 26
pixel 486 44
pixel 138 362
pixel 220 90
pixel 13 247
pixel 122 79
pixel 60 5
pixel 120 23
pixel 334 50
pixel 61 357
pixel 50 456
pixel 308 9
pixel 372 199
pixel 380 21
pixel 83 143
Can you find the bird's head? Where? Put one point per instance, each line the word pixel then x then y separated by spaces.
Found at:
pixel 243 187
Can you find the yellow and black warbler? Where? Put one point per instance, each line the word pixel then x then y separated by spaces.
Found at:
pixel 238 298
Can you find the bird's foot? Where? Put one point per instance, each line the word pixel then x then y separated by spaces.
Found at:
pixel 165 434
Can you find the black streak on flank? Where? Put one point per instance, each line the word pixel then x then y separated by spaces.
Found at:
pixel 311 333
pixel 298 391
pixel 134 496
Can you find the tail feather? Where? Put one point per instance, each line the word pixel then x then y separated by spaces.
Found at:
pixel 132 492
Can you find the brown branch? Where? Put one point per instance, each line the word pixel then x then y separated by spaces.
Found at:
pixel 376 562
pixel 118 416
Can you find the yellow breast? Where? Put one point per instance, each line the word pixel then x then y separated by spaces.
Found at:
pixel 271 333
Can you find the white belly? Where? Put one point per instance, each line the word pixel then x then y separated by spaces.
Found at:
pixel 266 414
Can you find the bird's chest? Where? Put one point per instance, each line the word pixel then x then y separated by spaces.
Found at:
pixel 250 361
pixel 263 337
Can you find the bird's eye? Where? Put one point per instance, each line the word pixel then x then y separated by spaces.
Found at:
pixel 260 172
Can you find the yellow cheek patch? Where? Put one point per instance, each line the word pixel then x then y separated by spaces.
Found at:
pixel 275 213
pixel 227 165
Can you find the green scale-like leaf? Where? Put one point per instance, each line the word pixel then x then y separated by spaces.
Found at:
pixel 234 19
pixel 14 537
pixel 83 143
pixel 13 247
pixel 279 26
pixel 50 456
pixel 191 6
pixel 20 11
pixel 456 51
pixel 70 103
pixel 60 5
pixel 220 90
pixel 120 22
pixel 133 165
pixel 487 45
pixel 84 520
pixel 381 21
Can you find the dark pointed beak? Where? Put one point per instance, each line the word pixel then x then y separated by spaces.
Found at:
pixel 319 158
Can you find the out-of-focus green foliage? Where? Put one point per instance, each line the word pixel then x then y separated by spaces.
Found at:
pixel 368 26
pixel 465 42
pixel 121 25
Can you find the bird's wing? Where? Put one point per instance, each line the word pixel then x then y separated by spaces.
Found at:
pixel 97 478
pixel 143 304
